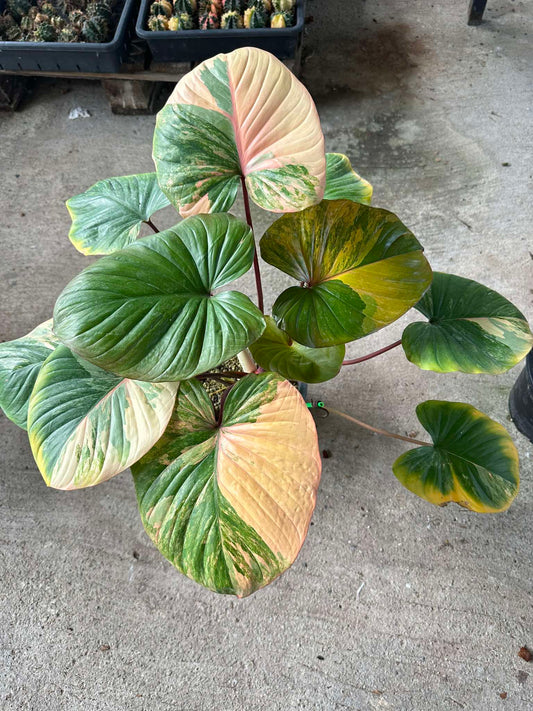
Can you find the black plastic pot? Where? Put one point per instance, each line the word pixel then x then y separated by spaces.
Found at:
pixel 521 400
pixel 197 45
pixel 71 56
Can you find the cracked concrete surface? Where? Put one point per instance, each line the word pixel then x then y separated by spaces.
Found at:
pixel 392 603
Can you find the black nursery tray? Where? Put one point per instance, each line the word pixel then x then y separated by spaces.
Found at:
pixel 197 45
pixel 70 56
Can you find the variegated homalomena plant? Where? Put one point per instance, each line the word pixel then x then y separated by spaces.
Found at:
pixel 227 482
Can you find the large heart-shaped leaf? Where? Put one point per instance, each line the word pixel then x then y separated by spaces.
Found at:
pixel 86 425
pixel 109 215
pixel 20 362
pixel 471 329
pixel 343 183
pixel 148 312
pixel 240 114
pixel 473 461
pixel 358 266
pixel 230 505
pixel 276 351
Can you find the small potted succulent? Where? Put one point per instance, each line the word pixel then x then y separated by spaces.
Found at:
pixel 220 14
pixel 119 377
pixel 191 30
pixel 64 35
pixel 52 21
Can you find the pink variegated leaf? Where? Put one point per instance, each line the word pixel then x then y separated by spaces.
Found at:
pixel 237 115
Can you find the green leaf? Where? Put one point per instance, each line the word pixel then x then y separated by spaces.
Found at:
pixel 471 329
pixel 20 362
pixel 230 506
pixel 342 182
pixel 148 312
pixel 473 461
pixel 85 425
pixel 109 215
pixel 276 351
pixel 359 269
pixel 240 115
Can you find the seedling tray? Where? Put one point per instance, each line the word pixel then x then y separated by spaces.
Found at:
pixel 196 45
pixel 70 56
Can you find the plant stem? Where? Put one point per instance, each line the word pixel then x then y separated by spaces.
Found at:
pixel 222 402
pixel 257 271
pixel 377 430
pixel 216 376
pixel 149 222
pixel 372 355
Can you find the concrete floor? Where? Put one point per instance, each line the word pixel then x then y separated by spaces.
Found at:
pixel 393 603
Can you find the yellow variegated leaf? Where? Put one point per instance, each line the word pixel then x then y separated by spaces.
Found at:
pixel 240 114
pixel 359 269
pixel 229 505
pixel 86 425
pixel 473 460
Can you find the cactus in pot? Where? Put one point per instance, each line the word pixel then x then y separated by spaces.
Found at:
pixel 183 21
pixel 231 20
pixel 209 21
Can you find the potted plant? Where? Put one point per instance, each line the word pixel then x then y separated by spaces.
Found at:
pixel 521 399
pixel 68 36
pixel 192 30
pixel 117 378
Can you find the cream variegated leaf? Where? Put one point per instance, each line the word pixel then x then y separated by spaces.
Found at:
pixel 108 216
pixel 20 362
pixel 240 114
pixel 470 328
pixel 86 425
pixel 229 504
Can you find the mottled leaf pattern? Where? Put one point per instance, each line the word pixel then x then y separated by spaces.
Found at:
pixel 230 505
pixel 358 266
pixel 20 362
pixel 149 312
pixel 240 114
pixel 276 351
pixel 473 461
pixel 471 329
pixel 343 183
pixel 86 425
pixel 109 215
